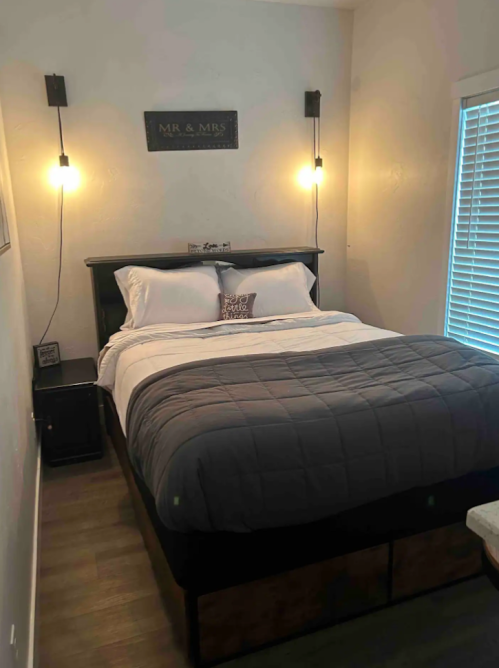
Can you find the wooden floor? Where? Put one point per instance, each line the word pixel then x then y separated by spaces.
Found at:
pixel 99 605
pixel 457 627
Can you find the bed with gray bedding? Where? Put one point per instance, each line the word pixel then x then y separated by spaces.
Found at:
pixel 253 442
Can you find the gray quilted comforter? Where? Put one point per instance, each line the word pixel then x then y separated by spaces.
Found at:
pixel 251 442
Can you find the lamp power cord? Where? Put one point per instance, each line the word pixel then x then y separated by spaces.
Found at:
pixel 317 152
pixel 59 272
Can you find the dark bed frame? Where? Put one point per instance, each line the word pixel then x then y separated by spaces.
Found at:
pixel 243 592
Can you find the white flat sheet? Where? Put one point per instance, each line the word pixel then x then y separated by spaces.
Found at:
pixel 130 357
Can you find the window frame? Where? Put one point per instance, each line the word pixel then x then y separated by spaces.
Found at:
pixel 461 91
pixel 4 217
pixel 4 224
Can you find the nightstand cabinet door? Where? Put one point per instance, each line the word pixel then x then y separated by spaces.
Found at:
pixel 70 425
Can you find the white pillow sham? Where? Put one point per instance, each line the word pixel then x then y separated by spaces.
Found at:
pixel 280 289
pixel 154 296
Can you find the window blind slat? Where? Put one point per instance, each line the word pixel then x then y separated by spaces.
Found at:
pixel 480 157
pixel 481 237
pixel 472 254
pixel 474 332
pixel 479 297
pixel 475 272
pixel 476 245
pixel 476 262
pixel 462 330
pixel 470 181
pixel 473 203
pixel 483 289
pixel 481 131
pixel 481 322
pixel 477 217
pixel 481 170
pixel 479 185
pixel 476 342
pixel 463 305
pixel 478 266
pixel 486 200
pixel 467 218
pixel 481 141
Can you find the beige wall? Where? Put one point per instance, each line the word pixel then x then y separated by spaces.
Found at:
pixel 122 57
pixel 17 445
pixel 406 56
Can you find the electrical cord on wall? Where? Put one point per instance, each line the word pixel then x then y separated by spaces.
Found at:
pixel 63 162
pixel 317 152
pixel 61 219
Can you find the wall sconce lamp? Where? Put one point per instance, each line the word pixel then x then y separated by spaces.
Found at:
pixel 66 178
pixel 63 175
pixel 315 177
pixel 313 110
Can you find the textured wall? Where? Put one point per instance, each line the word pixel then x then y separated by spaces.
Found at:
pixel 122 57
pixel 406 56
pixel 17 445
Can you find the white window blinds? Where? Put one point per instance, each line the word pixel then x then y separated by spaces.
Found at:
pixel 473 298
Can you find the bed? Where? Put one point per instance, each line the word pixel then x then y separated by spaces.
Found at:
pixel 248 550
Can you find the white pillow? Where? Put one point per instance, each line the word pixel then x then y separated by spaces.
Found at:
pixel 280 289
pixel 153 296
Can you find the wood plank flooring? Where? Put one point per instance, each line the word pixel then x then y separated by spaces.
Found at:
pixel 457 627
pixel 99 605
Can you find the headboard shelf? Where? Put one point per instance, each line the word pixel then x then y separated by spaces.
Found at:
pixel 110 309
pixel 197 257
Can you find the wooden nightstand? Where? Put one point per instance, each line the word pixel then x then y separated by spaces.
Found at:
pixel 66 403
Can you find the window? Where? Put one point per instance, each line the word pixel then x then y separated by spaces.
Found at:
pixel 4 229
pixel 4 226
pixel 473 295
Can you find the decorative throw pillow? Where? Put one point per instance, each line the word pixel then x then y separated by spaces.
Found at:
pixel 236 307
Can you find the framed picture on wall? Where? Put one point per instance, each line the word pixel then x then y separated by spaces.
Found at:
pixel 4 226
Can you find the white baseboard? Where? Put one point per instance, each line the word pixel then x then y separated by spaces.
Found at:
pixel 32 658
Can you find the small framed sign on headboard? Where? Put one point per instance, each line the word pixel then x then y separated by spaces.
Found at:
pixel 191 130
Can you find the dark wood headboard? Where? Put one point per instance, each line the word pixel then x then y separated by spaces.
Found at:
pixel 110 309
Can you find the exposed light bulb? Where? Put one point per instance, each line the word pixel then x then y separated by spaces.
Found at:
pixel 64 175
pixel 308 177
pixel 318 174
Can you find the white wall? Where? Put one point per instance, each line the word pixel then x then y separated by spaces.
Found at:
pixel 122 57
pixel 406 56
pixel 17 445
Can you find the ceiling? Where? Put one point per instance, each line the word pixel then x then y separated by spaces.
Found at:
pixel 339 4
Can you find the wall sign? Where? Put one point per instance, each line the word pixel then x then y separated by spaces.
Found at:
pixel 191 130
pixel 210 247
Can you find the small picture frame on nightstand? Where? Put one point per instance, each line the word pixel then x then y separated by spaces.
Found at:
pixel 47 355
